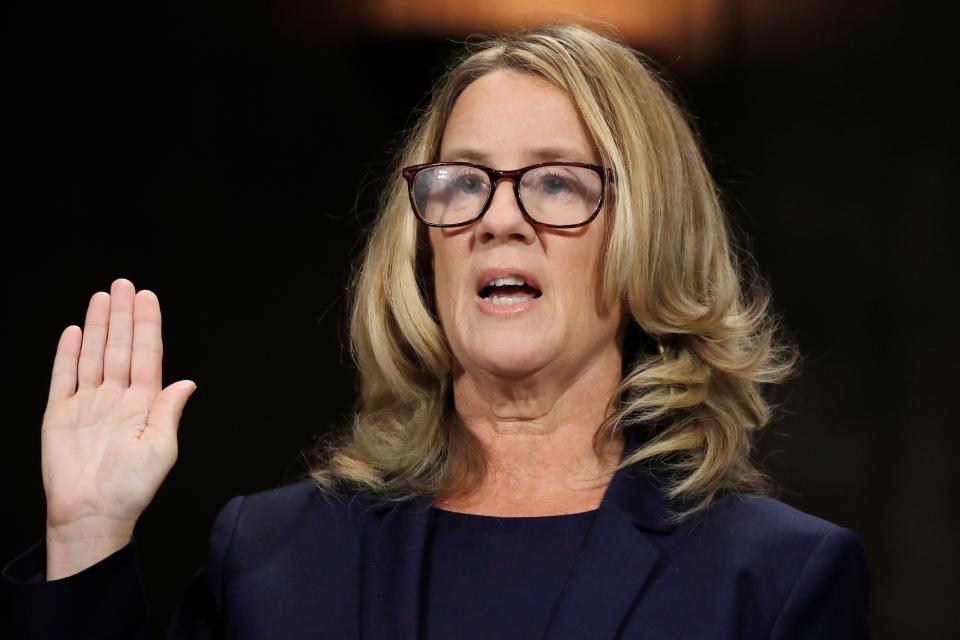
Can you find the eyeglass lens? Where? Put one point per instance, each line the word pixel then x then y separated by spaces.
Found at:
pixel 559 195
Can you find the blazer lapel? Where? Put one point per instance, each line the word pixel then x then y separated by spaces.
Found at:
pixel 392 558
pixel 616 560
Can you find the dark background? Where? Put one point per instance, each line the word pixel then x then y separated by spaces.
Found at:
pixel 228 156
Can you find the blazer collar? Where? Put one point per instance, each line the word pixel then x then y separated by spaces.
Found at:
pixel 617 558
pixel 392 548
pixel 640 494
pixel 615 561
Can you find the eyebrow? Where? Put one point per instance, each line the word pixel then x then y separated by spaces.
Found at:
pixel 541 154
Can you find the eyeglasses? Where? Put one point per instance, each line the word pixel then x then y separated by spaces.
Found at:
pixel 553 194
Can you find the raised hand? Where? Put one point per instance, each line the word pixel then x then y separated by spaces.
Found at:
pixel 109 435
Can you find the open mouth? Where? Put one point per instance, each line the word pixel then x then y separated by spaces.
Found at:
pixel 508 291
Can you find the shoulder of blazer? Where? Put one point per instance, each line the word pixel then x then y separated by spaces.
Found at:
pixel 760 537
pixel 760 520
pixel 737 518
pixel 299 513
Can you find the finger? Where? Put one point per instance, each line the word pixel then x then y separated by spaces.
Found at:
pixel 90 365
pixel 168 406
pixel 146 367
pixel 116 356
pixel 63 379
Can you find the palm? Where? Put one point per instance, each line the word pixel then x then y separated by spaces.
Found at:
pixel 109 432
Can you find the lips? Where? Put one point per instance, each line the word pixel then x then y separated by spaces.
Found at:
pixel 508 282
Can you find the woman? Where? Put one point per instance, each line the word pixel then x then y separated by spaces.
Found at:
pixel 560 366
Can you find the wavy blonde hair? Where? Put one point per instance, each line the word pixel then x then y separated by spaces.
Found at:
pixel 669 256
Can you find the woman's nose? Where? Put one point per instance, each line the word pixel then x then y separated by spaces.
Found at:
pixel 503 219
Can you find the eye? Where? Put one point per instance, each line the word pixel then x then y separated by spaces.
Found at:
pixel 552 184
pixel 469 183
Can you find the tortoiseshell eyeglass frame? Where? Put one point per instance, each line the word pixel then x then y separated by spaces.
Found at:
pixel 496 175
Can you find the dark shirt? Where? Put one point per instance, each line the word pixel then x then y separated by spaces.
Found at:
pixel 493 577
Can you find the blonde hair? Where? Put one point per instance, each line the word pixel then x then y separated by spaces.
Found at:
pixel 669 257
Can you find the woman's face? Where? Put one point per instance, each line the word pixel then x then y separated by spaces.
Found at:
pixel 508 120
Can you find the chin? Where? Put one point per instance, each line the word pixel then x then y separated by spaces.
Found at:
pixel 508 358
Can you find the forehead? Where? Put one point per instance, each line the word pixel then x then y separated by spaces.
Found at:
pixel 511 116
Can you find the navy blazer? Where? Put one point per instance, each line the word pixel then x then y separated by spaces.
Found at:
pixel 294 563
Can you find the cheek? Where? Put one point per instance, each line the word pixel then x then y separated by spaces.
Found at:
pixel 446 273
pixel 581 268
pixel 582 262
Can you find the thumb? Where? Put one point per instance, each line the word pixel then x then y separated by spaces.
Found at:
pixel 168 406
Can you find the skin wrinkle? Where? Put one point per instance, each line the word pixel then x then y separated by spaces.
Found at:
pixel 527 386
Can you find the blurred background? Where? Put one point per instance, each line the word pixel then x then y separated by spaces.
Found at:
pixel 229 155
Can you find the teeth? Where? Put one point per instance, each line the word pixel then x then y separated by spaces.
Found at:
pixel 513 280
pixel 506 301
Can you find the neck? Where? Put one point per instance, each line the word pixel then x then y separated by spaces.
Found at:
pixel 537 435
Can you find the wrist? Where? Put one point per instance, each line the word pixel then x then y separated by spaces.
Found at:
pixel 71 549
pixel 89 528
